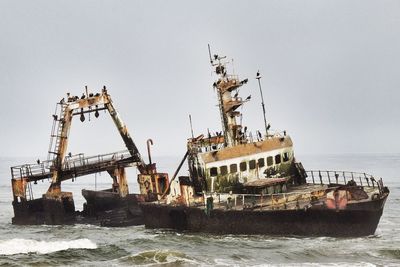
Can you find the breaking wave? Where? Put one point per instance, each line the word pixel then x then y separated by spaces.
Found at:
pixel 159 257
pixel 393 253
pixel 24 246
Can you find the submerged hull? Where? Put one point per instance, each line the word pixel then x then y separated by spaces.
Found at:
pixel 109 209
pixel 103 208
pixel 358 219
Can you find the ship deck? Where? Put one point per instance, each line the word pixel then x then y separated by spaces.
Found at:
pixel 297 197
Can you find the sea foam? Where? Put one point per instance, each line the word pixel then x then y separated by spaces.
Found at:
pixel 24 246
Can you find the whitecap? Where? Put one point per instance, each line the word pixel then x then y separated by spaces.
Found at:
pixel 24 246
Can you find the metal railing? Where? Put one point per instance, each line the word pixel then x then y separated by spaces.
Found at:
pixel 340 178
pixel 260 201
pixel 27 170
pixel 79 161
pixel 300 199
pixel 71 163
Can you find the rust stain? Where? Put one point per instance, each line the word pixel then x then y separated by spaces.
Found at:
pixel 19 187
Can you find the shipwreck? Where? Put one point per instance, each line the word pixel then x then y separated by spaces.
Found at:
pixel 251 183
pixel 239 182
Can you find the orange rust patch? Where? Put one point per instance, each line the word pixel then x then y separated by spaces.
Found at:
pixel 19 187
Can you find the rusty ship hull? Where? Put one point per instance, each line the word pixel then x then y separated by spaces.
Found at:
pixel 360 219
pixel 107 208
pixel 102 208
pixel 241 182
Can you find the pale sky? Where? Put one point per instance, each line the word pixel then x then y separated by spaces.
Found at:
pixel 330 71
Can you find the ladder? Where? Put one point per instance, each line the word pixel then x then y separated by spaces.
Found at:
pixel 56 133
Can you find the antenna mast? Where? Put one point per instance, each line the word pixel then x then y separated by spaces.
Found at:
pixel 258 77
pixel 209 53
pixel 228 103
pixel 191 126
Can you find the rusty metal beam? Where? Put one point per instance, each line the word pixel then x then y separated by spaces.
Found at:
pixel 123 131
pixel 75 106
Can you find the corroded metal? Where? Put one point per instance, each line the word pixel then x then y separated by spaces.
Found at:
pixel 149 142
pixel 88 104
pixel 244 183
pixel 56 206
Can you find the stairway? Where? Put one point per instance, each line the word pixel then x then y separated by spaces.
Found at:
pixel 56 133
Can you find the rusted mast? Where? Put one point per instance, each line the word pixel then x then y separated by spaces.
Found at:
pixel 62 141
pixel 228 103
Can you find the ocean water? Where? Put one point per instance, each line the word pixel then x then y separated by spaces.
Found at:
pixel 87 245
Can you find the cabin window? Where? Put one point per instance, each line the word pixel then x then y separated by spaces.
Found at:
pixel 278 159
pixel 252 164
pixel 233 168
pixel 213 171
pixel 285 156
pixel 261 162
pixel 243 166
pixel 270 161
pixel 223 170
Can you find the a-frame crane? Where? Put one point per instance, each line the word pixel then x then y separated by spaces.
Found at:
pixel 55 204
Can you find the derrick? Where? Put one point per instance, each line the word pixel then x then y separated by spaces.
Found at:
pixel 60 166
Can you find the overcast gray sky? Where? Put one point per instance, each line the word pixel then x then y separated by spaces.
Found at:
pixel 330 70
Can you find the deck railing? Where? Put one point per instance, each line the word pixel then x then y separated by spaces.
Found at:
pixel 301 199
pixel 340 178
pixel 260 201
pixel 71 163
pixel 80 160
pixel 27 170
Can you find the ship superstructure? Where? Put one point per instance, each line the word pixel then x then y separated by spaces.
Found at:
pixel 229 160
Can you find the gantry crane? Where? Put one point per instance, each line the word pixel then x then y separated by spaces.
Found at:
pixel 60 167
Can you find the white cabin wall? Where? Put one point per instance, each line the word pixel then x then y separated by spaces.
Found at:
pixel 247 175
